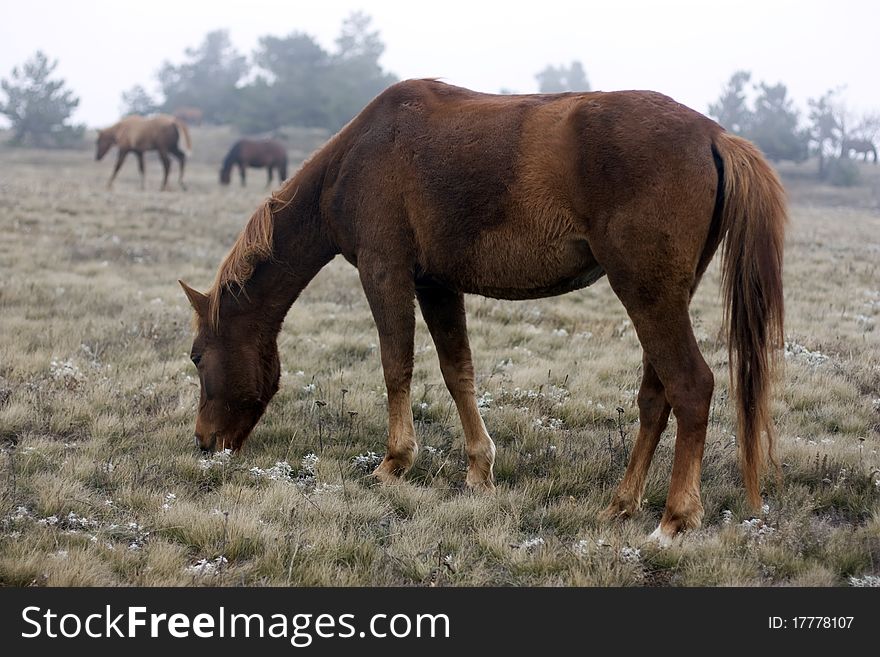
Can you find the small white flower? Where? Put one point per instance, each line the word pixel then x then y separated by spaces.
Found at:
pixel 630 554
pixel 867 580
pixel 531 543
pixel 170 498
pixel 309 461
pixel 367 461
pixel 204 567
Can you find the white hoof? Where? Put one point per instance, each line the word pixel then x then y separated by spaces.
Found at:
pixel 661 538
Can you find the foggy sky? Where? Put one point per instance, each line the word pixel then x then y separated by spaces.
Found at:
pixel 684 48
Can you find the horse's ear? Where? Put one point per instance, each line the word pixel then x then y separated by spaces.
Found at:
pixel 198 300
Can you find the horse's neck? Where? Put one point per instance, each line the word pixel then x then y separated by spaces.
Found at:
pixel 301 246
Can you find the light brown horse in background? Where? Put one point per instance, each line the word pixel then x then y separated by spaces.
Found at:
pixel 863 146
pixel 136 134
pixel 257 153
pixel 434 191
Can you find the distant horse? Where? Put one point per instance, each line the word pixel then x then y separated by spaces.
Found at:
pixel 257 153
pixel 189 115
pixel 434 191
pixel 863 146
pixel 136 134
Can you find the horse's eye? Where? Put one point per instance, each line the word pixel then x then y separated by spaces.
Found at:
pixel 195 358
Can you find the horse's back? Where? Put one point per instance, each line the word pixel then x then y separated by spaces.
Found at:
pixel 260 152
pixel 508 195
pixel 148 132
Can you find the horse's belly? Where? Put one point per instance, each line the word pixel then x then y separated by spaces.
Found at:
pixel 579 281
pixel 526 271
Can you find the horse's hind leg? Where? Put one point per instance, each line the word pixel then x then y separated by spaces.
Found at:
pixel 140 159
pixel 658 307
pixel 653 416
pixel 390 290
pixel 181 159
pixel 166 166
pixel 269 177
pixel 444 314
pixel 664 329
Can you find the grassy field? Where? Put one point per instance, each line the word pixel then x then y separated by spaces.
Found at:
pixel 100 484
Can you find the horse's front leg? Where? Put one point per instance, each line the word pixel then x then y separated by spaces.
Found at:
pixel 120 158
pixel 444 314
pixel 390 291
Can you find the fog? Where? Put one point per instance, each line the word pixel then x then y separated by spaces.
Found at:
pixel 684 48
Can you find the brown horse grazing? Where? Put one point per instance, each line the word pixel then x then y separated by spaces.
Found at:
pixel 256 153
pixel 863 146
pixel 434 191
pixel 136 134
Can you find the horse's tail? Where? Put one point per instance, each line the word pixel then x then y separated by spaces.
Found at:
pixel 753 218
pixel 182 129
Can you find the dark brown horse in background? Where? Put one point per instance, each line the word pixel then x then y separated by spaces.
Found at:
pixel 863 146
pixel 257 153
pixel 434 191
pixel 137 134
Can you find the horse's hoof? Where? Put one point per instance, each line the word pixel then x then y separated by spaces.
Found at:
pixel 620 509
pixel 389 471
pixel 479 483
pixel 663 538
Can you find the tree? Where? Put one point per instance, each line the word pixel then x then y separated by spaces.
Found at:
pixel 39 107
pixel 826 127
pixel 208 80
pixel 731 110
pixel 356 76
pixel 300 83
pixel 137 101
pixel 291 86
pixel 558 79
pixel 774 125
pixel 772 122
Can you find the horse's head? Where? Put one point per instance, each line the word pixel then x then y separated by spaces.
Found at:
pixel 238 371
pixel 225 175
pixel 106 139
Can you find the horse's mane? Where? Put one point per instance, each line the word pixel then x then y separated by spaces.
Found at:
pixel 254 245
